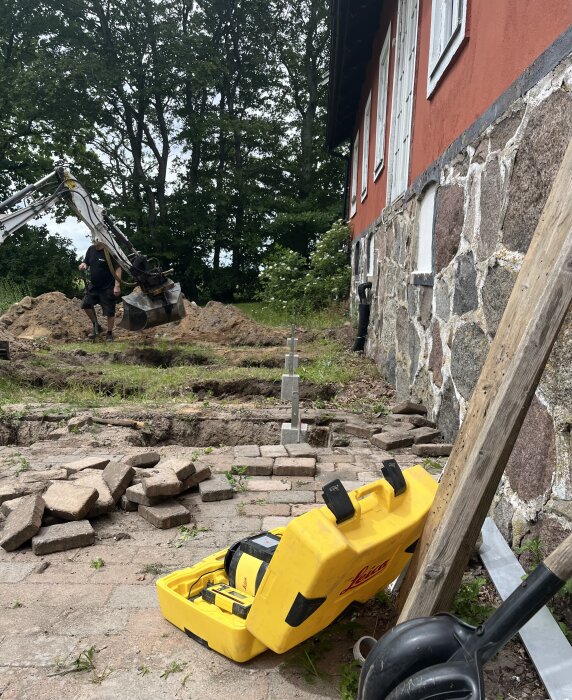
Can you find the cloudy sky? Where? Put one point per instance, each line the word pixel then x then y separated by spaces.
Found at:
pixel 71 228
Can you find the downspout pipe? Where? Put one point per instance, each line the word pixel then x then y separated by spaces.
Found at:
pixel 363 317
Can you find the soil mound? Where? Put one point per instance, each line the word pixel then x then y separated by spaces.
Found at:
pixel 52 316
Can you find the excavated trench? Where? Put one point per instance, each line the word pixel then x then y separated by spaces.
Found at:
pixel 185 430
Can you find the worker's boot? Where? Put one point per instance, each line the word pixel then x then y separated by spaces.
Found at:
pixel 96 330
pixel 109 337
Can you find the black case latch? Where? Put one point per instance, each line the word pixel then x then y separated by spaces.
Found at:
pixel 392 473
pixel 338 501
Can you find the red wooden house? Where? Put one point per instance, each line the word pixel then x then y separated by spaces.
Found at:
pixel 457 114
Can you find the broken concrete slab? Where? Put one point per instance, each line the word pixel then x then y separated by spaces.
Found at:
pixel 425 434
pixel 70 501
pixel 433 450
pixel 216 489
pixel 300 449
pixel 165 515
pixel 22 523
pixel 136 494
pixel 182 467
pixel 59 538
pixel 143 460
pixel 409 407
pixel 104 502
pixel 93 462
pixel 117 476
pixel 295 466
pixel 164 483
pixel 392 441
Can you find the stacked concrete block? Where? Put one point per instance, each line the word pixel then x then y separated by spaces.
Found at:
pixel 165 515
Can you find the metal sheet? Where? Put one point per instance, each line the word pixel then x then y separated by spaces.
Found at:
pixel 547 646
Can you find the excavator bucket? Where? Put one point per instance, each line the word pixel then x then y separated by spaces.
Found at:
pixel 141 311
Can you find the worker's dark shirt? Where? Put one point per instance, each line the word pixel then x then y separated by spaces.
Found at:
pixel 101 276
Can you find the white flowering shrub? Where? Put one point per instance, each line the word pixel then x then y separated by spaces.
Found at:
pixel 289 281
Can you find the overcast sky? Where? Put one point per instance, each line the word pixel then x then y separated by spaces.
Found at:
pixel 76 231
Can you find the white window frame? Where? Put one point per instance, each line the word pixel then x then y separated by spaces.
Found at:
pixel 381 116
pixel 426 220
pixel 371 255
pixel 448 28
pixel 402 101
pixel 365 147
pixel 353 188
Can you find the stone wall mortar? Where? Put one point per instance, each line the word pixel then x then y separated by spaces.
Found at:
pixel 505 176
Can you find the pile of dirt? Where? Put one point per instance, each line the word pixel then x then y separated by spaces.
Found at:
pixel 55 317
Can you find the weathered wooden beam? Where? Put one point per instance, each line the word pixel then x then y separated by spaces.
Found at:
pixel 533 316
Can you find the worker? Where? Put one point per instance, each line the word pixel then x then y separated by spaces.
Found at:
pixel 103 290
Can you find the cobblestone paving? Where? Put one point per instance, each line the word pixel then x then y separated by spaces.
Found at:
pixel 69 607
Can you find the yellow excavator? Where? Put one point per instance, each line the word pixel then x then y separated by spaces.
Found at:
pixel 159 300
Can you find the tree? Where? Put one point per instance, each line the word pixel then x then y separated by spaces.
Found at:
pixel 40 262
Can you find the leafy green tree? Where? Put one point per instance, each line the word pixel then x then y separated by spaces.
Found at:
pixel 39 262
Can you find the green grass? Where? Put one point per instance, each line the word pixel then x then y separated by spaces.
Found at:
pixel 332 317
pixel 10 293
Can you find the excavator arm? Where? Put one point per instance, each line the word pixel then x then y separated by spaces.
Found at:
pixel 160 299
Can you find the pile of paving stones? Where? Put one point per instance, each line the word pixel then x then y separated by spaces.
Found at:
pixel 407 426
pixel 57 517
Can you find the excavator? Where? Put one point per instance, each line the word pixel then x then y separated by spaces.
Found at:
pixel 159 300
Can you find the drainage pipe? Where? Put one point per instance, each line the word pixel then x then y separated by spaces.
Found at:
pixel 363 316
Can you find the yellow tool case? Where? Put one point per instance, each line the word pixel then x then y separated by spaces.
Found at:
pixel 278 588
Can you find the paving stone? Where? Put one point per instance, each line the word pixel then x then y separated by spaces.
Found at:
pixel 409 407
pixel 425 434
pixel 216 489
pixel 10 491
pixel 22 523
pixel 8 506
pixel 392 441
pixel 362 431
pixel 35 651
pixel 104 502
pixel 131 596
pixel 70 501
pixel 292 497
pixel 272 521
pixel 94 462
pixel 117 476
pixel 252 509
pixel 165 515
pixel 127 505
pixel 301 449
pixel 247 451
pixel 257 466
pixel 136 494
pixel 432 450
pixel 301 508
pixel 143 460
pixel 417 421
pixel 47 475
pixel 202 473
pixel 164 483
pixel 12 572
pixel 273 451
pixel 182 467
pixel 59 538
pixel 295 466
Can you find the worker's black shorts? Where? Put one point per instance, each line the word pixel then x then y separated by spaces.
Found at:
pixel 104 297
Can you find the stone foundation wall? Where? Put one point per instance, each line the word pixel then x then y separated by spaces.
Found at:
pixel 431 339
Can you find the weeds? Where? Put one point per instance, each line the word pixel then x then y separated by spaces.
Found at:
pixel 432 465
pixel 84 662
pixel 143 670
pixel 384 598
pixel 155 569
pixel 237 478
pixel 22 466
pixel 534 548
pixel 349 680
pixel 173 667
pixel 97 563
pixel 467 605
pixel 241 508
pixel 16 604
pixel 98 678
pixel 186 533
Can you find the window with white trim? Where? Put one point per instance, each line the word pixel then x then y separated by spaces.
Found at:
pixel 380 120
pixel 365 147
pixel 353 188
pixel 425 230
pixel 370 255
pixel 448 26
pixel 402 102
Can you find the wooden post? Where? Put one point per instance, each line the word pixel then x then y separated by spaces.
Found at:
pixel 533 316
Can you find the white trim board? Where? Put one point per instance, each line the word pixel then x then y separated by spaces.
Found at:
pixel 550 651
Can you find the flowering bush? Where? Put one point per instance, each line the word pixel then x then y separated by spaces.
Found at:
pixel 288 281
